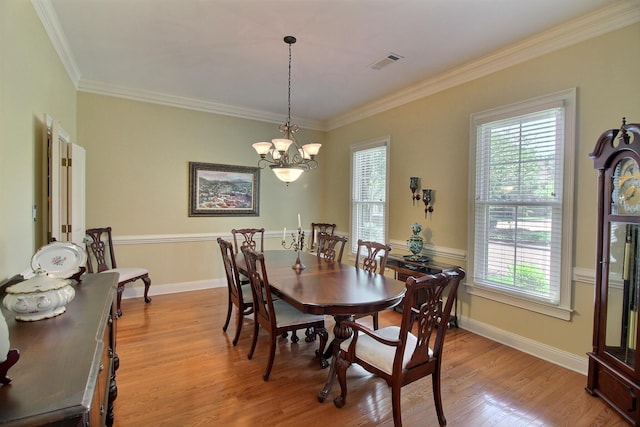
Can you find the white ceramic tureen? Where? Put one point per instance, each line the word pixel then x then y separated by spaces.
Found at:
pixel 40 297
pixel 47 293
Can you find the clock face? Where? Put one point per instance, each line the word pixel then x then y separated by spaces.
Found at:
pixel 628 183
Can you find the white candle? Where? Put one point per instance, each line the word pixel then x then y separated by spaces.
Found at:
pixel 284 234
pixel 299 224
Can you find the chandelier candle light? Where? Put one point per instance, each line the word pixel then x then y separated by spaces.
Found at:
pixel 297 243
pixel 285 156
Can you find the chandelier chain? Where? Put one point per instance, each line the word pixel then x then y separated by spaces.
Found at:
pixel 289 96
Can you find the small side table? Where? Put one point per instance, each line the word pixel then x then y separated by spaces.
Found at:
pixel 404 268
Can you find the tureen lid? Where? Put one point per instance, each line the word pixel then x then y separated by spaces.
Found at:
pixel 38 283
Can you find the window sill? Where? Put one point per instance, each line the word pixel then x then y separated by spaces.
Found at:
pixel 559 312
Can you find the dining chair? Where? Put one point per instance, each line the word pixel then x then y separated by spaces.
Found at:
pixel 99 245
pixel 239 295
pixel 276 316
pixel 252 237
pixel 331 246
pixel 320 227
pixel 395 353
pixel 372 257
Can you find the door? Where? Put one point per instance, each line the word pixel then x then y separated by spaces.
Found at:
pixel 65 186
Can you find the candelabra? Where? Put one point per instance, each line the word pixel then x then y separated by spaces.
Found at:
pixel 297 243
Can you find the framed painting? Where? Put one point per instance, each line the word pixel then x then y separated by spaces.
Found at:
pixel 223 190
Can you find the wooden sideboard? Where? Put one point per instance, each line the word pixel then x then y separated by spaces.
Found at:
pixel 404 268
pixel 66 372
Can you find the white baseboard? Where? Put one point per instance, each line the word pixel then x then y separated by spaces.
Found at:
pixel 173 288
pixel 543 351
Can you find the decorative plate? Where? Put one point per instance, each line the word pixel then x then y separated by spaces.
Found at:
pixel 59 259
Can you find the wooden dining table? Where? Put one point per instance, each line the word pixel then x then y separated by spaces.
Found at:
pixel 333 288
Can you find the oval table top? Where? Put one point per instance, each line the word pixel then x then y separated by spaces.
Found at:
pixel 328 287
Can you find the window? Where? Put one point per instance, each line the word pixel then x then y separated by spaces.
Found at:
pixel 521 230
pixel 369 170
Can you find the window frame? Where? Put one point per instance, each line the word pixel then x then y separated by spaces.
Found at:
pixel 355 148
pixel 567 99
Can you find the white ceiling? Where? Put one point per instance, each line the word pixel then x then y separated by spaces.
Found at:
pixel 229 55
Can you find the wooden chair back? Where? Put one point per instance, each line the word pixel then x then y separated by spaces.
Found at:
pixel 231 272
pixel 263 310
pixel 432 318
pixel 372 256
pixel 236 295
pixel 331 247
pixel 248 237
pixel 100 253
pixel 320 227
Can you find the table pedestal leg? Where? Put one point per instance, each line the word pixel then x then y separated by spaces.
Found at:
pixel 340 333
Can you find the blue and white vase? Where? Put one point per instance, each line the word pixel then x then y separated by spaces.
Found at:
pixel 415 242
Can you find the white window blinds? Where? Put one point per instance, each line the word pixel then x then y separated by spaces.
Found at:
pixel 519 204
pixel 369 192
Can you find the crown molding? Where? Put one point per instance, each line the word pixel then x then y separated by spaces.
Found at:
pixel 611 18
pixel 49 19
pixel 103 88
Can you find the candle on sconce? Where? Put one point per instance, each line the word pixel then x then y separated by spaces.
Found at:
pixel 299 223
pixel 284 234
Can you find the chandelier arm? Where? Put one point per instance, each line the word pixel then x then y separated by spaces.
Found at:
pixel 263 163
pixel 297 158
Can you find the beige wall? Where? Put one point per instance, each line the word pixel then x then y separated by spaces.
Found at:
pixel 32 82
pixel 430 139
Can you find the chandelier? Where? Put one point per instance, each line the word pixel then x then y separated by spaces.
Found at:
pixel 285 156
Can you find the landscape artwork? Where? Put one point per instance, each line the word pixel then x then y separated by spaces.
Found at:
pixel 223 190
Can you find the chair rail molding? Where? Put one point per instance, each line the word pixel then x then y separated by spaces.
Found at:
pixel 181 238
pixel 584 275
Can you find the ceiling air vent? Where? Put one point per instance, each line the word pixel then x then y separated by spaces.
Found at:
pixel 389 59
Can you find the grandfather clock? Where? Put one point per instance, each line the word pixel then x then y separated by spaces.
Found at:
pixel 614 367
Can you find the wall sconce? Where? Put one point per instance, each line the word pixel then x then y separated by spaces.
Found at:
pixel 427 199
pixel 414 184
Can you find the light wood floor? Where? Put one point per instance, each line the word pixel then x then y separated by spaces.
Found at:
pixel 177 368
